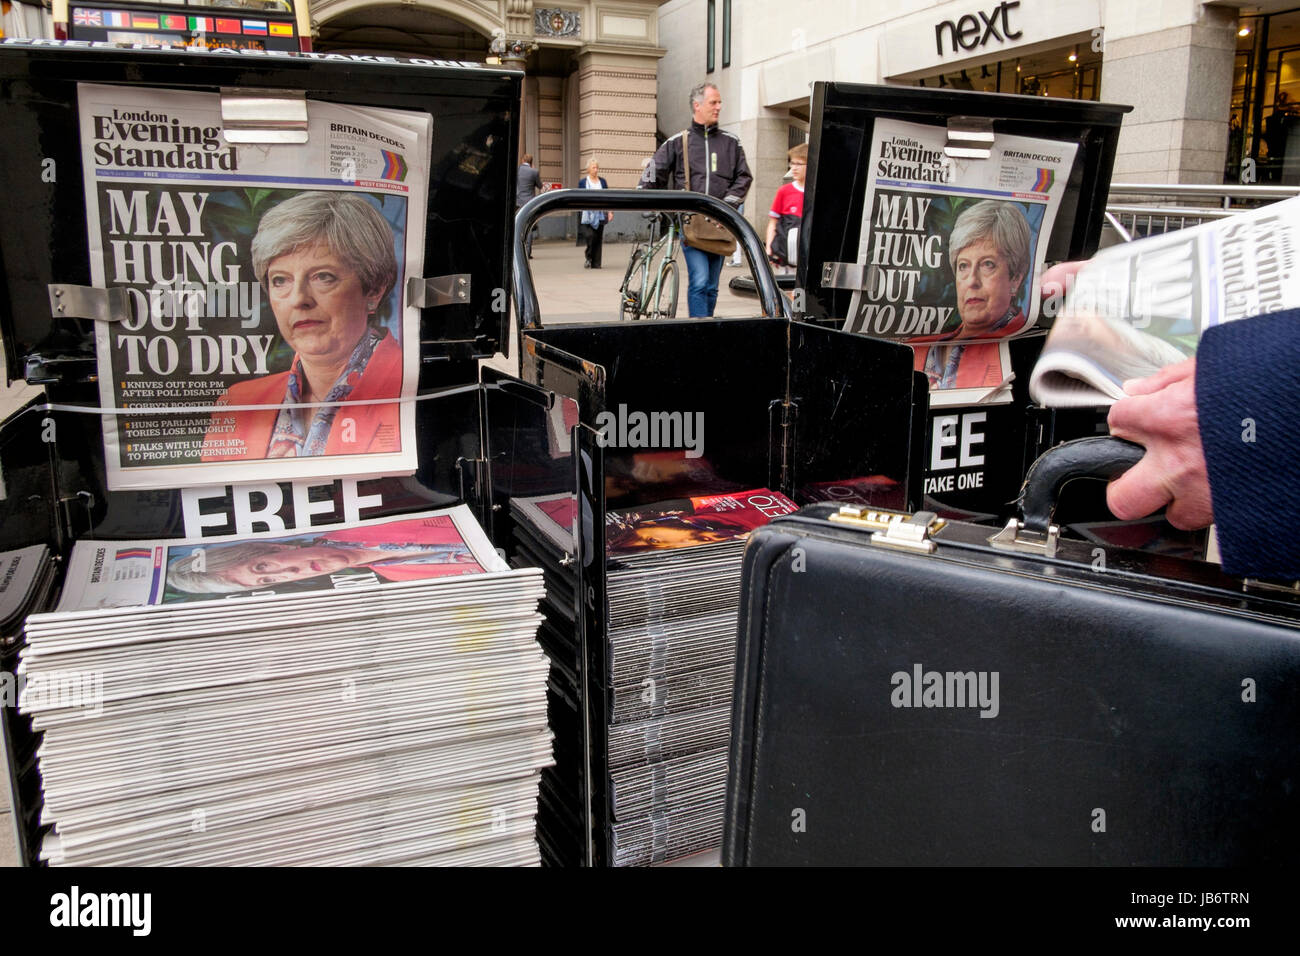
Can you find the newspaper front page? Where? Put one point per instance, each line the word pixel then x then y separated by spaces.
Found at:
pixel 431 544
pixel 265 285
pixel 951 250
pixel 1137 307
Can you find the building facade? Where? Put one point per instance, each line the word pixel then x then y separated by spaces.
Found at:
pixel 590 91
pixel 1211 85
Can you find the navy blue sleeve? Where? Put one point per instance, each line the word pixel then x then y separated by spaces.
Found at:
pixel 1248 405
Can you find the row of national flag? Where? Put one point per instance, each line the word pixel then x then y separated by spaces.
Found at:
pixel 89 17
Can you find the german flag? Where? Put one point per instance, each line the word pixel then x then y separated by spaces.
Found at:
pixel 144 21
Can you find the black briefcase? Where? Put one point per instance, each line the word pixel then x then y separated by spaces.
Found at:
pixel 915 692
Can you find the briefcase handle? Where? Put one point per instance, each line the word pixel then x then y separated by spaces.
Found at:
pixel 1101 457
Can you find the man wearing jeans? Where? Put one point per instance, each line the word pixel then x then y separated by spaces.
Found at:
pixel 718 168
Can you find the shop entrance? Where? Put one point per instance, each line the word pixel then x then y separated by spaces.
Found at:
pixel 1264 125
pixel 1071 71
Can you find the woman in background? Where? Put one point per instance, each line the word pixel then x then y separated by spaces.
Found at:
pixel 594 219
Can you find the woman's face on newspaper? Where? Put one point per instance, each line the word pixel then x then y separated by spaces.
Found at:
pixel 319 304
pixel 985 285
pixel 288 564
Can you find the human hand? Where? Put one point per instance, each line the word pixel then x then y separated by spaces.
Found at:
pixel 1159 413
pixel 1054 283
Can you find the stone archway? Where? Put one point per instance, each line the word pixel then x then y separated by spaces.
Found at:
pixel 447 29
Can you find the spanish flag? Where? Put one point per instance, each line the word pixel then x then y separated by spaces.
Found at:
pixel 281 29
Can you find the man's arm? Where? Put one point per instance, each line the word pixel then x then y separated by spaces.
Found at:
pixel 1248 397
pixel 659 170
pixel 741 179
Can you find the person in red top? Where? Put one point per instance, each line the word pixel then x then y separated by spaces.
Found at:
pixel 989 250
pixel 787 208
pixel 326 262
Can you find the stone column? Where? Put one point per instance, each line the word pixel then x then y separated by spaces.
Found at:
pixel 769 135
pixel 550 131
pixel 616 112
pixel 1178 78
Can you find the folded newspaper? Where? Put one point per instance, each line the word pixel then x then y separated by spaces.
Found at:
pixel 1135 308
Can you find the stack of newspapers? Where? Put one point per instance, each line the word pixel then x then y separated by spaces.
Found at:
pixel 360 694
pixel 26 576
pixel 660 683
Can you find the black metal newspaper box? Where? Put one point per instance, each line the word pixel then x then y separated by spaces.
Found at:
pixel 926 156
pixel 756 411
pixel 55 485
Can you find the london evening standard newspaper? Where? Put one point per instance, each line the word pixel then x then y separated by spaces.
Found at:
pixel 432 544
pixel 173 209
pixel 956 307
pixel 1137 307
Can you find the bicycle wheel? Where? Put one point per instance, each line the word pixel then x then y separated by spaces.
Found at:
pixel 666 300
pixel 633 289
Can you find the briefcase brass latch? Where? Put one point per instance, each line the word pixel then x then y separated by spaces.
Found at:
pixel 1015 537
pixel 893 529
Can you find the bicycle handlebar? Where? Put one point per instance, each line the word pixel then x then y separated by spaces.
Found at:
pixel 654 200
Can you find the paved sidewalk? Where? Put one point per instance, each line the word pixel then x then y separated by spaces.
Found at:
pixel 568 294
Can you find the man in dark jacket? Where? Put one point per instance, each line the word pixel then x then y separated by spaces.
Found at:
pixel 718 168
pixel 528 183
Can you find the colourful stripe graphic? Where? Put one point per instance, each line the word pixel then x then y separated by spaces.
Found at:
pixel 133 553
pixel 1043 181
pixel 394 165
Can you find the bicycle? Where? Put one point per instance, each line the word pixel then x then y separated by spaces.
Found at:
pixel 650 284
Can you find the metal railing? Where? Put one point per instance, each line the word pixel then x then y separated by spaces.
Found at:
pixel 1135 210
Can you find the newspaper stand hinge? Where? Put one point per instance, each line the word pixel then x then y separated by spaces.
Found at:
pixel 1015 537
pixel 440 290
pixel 969 137
pixel 263 116
pixel 845 275
pixel 1279 587
pixel 893 529
pixel 87 302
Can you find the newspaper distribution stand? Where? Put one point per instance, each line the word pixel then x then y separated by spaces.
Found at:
pixel 58 485
pixel 784 411
pixel 874 142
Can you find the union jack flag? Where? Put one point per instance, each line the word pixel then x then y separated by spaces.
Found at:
pixel 88 18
